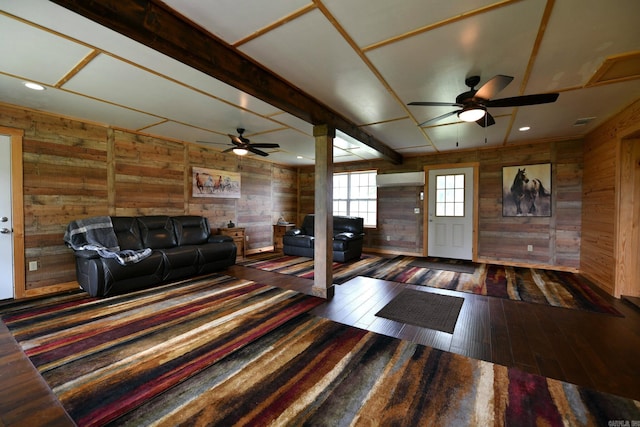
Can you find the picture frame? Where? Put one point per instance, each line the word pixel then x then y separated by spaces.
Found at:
pixel 526 190
pixel 215 183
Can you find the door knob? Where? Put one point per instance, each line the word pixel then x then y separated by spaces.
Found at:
pixel 5 231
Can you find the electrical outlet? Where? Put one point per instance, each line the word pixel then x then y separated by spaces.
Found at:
pixel 529 248
pixel 33 265
pixel 388 238
pixel 246 237
pixel 416 210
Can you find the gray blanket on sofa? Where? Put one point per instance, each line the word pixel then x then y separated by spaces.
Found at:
pixel 96 234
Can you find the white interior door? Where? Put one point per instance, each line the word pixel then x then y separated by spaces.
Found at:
pixel 6 230
pixel 450 213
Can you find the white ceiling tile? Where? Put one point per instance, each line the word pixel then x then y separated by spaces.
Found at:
pixel 184 132
pixel 433 66
pixel 38 55
pixel 372 21
pixel 70 105
pixel 329 70
pixel 557 119
pixel 468 135
pixel 580 35
pixel 399 134
pixel 293 122
pixel 232 20
pixel 124 84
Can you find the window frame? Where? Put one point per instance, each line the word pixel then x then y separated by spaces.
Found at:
pixel 349 200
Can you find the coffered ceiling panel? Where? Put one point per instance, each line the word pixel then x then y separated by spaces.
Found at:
pixel 364 59
pixel 403 134
pixel 432 66
pixel 576 43
pixel 312 55
pixel 380 20
pixel 124 84
pixel 71 105
pixel 467 135
pixel 37 53
pixel 594 102
pixel 232 20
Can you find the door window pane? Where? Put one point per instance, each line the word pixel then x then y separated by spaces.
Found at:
pixel 450 195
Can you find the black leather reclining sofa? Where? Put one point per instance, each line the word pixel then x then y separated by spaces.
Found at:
pixel 182 246
pixel 348 236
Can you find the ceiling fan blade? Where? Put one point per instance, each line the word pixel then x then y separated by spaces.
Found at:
pixel 519 101
pixel 229 149
pixel 265 145
pixel 256 151
pixel 435 119
pixel 235 139
pixel 435 104
pixel 211 142
pixel 487 120
pixel 493 86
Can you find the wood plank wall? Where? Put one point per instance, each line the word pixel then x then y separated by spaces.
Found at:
pixel 74 169
pixel 601 182
pixel 556 239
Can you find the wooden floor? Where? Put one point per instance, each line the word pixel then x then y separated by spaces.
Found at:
pixel 598 351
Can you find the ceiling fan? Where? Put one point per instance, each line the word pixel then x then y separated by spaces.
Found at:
pixel 242 146
pixel 473 104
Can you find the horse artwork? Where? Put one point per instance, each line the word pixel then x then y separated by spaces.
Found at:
pixel 527 190
pixel 215 183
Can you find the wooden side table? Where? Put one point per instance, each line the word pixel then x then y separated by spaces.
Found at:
pixel 278 233
pixel 238 238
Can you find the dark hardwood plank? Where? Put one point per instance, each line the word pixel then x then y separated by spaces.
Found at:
pixel 25 398
pixel 472 336
pixel 500 342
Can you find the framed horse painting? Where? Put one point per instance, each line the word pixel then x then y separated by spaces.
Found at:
pixel 526 190
pixel 215 183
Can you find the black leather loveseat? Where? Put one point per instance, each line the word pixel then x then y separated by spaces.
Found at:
pixel 180 247
pixel 348 236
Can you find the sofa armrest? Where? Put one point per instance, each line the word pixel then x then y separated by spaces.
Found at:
pixel 219 238
pixel 86 254
pixel 347 236
pixel 293 232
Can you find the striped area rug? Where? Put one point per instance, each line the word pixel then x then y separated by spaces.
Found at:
pixel 303 267
pixel 226 352
pixel 555 288
pixel 106 357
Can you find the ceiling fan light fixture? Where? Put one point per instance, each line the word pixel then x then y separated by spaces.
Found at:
pixel 472 114
pixel 240 151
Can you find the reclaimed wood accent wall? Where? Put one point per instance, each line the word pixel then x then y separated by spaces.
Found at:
pixel 604 228
pixel 74 169
pixel 555 239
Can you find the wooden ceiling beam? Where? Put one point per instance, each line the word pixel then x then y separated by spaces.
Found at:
pixel 160 28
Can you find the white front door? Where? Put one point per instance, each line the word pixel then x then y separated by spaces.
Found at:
pixel 450 213
pixel 6 230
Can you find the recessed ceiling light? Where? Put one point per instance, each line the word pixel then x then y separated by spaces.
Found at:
pixel 34 86
pixel 298 157
pixel 524 128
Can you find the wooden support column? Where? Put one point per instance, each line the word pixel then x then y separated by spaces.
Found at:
pixel 323 226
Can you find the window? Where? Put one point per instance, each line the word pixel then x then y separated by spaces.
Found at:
pixel 450 195
pixel 356 194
